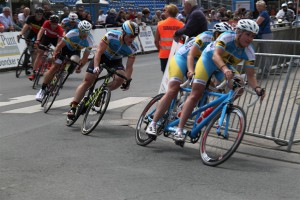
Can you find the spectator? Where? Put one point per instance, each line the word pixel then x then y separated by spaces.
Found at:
pixel 79 12
pixel 163 16
pixel 121 18
pixel 47 10
pixel 1 28
pixel 165 32
pixel 291 6
pixel 138 18
pixel 89 19
pixel 24 15
pixel 145 17
pixel 195 23
pixel 249 14
pixel 213 16
pixel 101 18
pixel 6 20
pixel 65 14
pixel 285 13
pixel 131 14
pixel 156 18
pixel 111 18
pixel 181 16
pixel 264 32
pixel 229 15
pixel 221 14
pixel 16 23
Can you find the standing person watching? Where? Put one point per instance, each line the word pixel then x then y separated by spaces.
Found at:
pixel 112 48
pixel 24 15
pixel 227 51
pixel 263 22
pixel 195 22
pixel 165 32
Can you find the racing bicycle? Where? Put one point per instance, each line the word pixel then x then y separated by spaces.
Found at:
pixel 25 61
pixel 94 105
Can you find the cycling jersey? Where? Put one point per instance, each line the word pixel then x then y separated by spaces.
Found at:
pixel 35 26
pixel 67 26
pixel 74 42
pixel 232 56
pixel 178 64
pixel 116 48
pixel 56 33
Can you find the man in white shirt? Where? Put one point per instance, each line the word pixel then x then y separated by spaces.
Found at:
pixel 24 15
pixel 6 20
pixel 101 18
pixel 285 13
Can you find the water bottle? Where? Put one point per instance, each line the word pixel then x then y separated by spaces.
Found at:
pixel 204 114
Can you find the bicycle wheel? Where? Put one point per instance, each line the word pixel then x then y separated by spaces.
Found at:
pixel 22 63
pixel 141 137
pixel 38 75
pixel 53 92
pixel 95 111
pixel 216 149
pixel 79 111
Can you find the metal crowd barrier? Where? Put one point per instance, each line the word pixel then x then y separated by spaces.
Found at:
pixel 277 117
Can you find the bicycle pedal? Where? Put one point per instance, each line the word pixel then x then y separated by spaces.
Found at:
pixel 179 143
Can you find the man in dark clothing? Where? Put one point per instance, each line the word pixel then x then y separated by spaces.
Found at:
pixel 196 22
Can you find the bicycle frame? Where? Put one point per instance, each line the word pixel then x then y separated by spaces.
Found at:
pixel 220 103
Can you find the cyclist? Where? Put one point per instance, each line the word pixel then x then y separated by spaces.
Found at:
pixel 113 46
pixel 70 22
pixel 32 27
pixel 70 45
pixel 183 64
pixel 50 33
pixel 227 51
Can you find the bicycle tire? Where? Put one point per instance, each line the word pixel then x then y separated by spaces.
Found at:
pixel 37 77
pixel 141 137
pixel 79 109
pixel 52 94
pixel 88 124
pixel 21 63
pixel 214 149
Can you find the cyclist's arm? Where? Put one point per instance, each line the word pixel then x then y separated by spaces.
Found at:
pixel 129 66
pixel 217 58
pixel 24 29
pixel 100 50
pixel 253 82
pixel 59 47
pixel 40 34
pixel 85 56
pixel 194 52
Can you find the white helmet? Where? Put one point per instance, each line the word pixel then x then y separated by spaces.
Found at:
pixel 73 16
pixel 248 25
pixel 84 26
pixel 222 27
pixel 284 5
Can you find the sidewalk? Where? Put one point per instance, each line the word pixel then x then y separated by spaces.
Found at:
pixel 251 145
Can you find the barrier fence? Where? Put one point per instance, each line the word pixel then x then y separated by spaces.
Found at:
pixel 277 117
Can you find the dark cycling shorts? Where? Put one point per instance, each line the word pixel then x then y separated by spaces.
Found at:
pixel 47 41
pixel 116 64
pixel 31 35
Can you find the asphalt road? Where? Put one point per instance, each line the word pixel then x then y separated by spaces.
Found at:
pixel 42 159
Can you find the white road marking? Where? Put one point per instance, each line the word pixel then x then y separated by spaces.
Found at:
pixel 64 102
pixel 16 100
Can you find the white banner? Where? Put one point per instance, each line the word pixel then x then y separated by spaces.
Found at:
pixel 10 49
pixel 165 79
pixel 147 39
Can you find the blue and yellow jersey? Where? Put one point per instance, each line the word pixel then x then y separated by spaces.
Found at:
pixel 116 47
pixel 74 42
pixel 232 55
pixel 67 26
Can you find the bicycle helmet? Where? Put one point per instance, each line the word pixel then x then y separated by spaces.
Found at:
pixel 73 16
pixel 130 28
pixel 54 19
pixel 84 26
pixel 39 10
pixel 248 25
pixel 222 27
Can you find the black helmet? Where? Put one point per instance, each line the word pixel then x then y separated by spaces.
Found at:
pixel 54 18
pixel 39 10
pixel 131 28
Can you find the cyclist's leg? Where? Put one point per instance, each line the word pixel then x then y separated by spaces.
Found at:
pixel 177 69
pixel 202 75
pixel 116 64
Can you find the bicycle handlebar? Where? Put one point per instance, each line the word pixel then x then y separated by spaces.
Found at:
pixel 114 71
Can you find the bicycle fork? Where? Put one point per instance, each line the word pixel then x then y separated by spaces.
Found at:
pixel 225 117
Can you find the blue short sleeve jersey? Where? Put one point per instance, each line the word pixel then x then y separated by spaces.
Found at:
pixel 74 42
pixel 67 26
pixel 232 55
pixel 116 48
